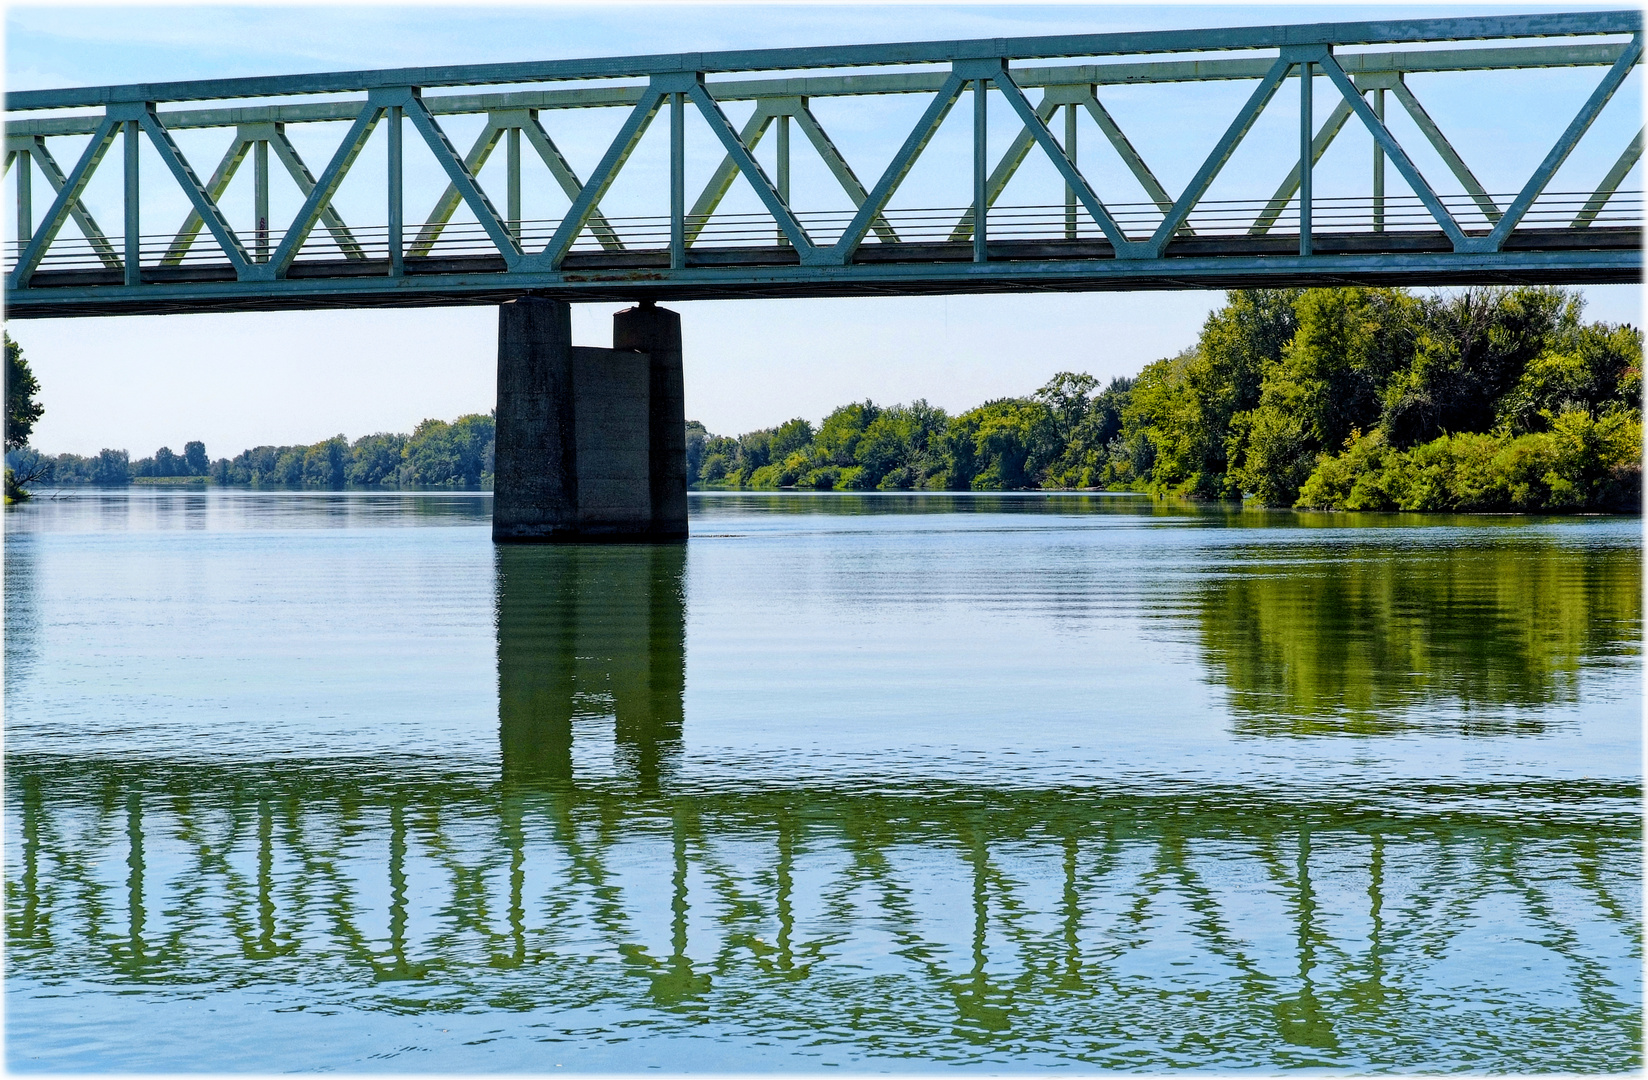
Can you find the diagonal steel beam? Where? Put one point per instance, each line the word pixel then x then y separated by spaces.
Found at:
pixel 891 177
pixel 1009 164
pixel 1130 157
pixel 215 187
pixel 447 204
pixel 838 167
pixel 1456 164
pixel 67 195
pixel 753 172
pixel 204 203
pixel 1222 150
pixel 1290 184
pixel 720 181
pixel 321 194
pixel 1124 247
pixel 77 209
pixel 1580 124
pixel 623 144
pixel 1393 151
pixel 305 180
pixel 1610 184
pixel 562 171
pixel 464 180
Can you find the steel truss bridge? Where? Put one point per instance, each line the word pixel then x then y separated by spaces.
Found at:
pixel 1419 233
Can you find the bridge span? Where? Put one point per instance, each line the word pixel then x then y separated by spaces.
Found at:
pixel 857 237
pixel 590 441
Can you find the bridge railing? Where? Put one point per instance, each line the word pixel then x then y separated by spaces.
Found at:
pixel 1361 67
pixel 1336 220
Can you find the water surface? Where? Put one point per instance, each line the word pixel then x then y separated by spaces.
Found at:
pixel 326 781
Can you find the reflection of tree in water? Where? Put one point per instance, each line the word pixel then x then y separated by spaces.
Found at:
pixel 1366 639
pixel 1212 928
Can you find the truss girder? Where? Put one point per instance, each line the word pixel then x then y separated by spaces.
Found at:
pixel 814 255
pixel 32 150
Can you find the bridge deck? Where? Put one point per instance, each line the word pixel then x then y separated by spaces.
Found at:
pixel 1587 256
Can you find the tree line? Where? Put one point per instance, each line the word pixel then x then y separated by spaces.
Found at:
pixel 436 454
pixel 1346 398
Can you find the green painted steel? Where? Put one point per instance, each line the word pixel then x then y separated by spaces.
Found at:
pixel 1169 241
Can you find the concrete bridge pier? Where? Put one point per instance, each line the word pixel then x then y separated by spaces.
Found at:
pixel 591 443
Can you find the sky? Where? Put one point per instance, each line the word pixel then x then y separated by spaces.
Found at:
pixel 236 381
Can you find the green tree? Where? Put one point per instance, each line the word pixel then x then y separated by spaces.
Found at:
pixel 22 410
pixel 375 459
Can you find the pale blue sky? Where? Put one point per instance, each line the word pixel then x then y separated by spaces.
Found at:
pixel 240 380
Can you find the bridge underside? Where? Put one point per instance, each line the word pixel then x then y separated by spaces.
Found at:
pixel 1598 255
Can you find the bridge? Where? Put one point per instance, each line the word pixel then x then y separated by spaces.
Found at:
pixel 852 237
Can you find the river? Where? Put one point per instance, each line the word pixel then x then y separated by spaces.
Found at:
pixel 303 781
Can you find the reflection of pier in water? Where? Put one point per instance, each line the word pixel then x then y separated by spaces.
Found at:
pixel 590 631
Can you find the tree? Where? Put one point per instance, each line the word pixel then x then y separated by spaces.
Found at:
pixel 21 409
pixel 194 458
pixel 21 413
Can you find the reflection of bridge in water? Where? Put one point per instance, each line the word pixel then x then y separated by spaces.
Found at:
pixel 1107 923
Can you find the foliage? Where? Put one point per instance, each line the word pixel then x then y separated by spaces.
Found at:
pixel 1581 463
pixel 436 454
pixel 1351 398
pixel 22 410
pixel 1342 398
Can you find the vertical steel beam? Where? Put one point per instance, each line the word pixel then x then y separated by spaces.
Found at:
pixel 1289 187
pixel 1125 248
pixel 35 149
pixel 1005 168
pixel 1379 165
pixel 396 239
pixel 1307 162
pixel 1069 189
pixel 68 196
pixel 25 199
pixel 134 219
pixel 752 170
pixel 1398 156
pixel 981 172
pixel 783 167
pixel 552 158
pixel 678 181
pixel 513 164
pixel 260 199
